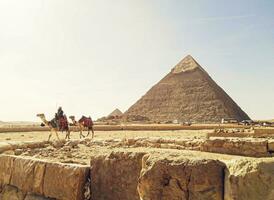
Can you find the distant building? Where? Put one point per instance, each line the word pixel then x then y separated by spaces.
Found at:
pixel 229 121
pixel 247 122
pixel 267 123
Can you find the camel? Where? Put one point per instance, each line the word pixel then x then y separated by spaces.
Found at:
pixel 54 126
pixel 84 122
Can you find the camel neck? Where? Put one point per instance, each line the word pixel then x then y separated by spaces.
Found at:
pixel 44 121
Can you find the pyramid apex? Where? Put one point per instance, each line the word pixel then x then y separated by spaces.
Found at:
pixel 187 64
pixel 116 112
pixel 189 56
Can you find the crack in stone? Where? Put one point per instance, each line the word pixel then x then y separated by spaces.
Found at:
pixel 187 186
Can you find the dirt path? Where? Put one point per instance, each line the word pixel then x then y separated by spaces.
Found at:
pixel 40 136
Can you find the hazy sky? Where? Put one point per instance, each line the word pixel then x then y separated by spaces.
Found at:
pixel 91 56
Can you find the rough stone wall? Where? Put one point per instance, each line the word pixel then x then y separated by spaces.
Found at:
pixel 13 193
pixel 244 147
pixel 184 179
pixel 138 175
pixel 251 179
pixel 54 180
pixel 264 132
pixel 115 176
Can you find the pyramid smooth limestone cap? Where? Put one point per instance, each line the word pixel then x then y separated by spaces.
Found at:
pixel 187 64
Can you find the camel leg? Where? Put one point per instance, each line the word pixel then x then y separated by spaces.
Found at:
pixel 88 132
pixel 57 135
pixel 91 128
pixel 50 134
pixel 68 135
pixel 92 132
pixel 81 131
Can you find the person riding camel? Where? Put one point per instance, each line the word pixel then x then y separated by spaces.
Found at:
pixel 60 118
pixel 60 113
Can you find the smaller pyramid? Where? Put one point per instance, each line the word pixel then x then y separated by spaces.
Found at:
pixel 116 113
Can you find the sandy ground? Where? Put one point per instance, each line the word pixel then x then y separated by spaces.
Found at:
pixel 105 143
pixel 41 136
pixel 84 151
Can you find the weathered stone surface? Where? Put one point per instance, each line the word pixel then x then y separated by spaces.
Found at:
pixel 18 152
pixel 252 147
pixel 271 146
pixel 36 197
pixel 6 163
pixel 28 175
pixel 65 182
pixel 32 144
pixel 245 147
pixel 58 143
pixel 4 146
pixel 266 132
pixel 115 176
pixel 181 179
pixel 12 145
pixel 11 193
pixel 251 179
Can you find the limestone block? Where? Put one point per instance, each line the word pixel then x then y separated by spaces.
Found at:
pixel 250 179
pixel 65 182
pixel 182 179
pixel 11 193
pixel 6 163
pixel 115 176
pixel 28 175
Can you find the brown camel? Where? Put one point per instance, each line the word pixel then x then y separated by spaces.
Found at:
pixel 84 122
pixel 56 125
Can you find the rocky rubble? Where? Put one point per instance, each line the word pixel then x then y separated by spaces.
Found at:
pixel 252 147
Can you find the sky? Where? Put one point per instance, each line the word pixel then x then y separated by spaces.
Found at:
pixel 92 56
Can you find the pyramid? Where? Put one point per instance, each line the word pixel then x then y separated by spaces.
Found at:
pixel 187 93
pixel 115 113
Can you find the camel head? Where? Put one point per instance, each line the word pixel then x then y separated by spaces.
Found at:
pixel 72 117
pixel 41 115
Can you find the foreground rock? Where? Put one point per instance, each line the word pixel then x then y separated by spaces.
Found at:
pixel 115 176
pixel 250 179
pixel 11 193
pixel 54 180
pixel 245 147
pixel 65 182
pixel 181 179
pixel 146 170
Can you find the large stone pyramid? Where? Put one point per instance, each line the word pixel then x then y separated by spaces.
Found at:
pixel 187 93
